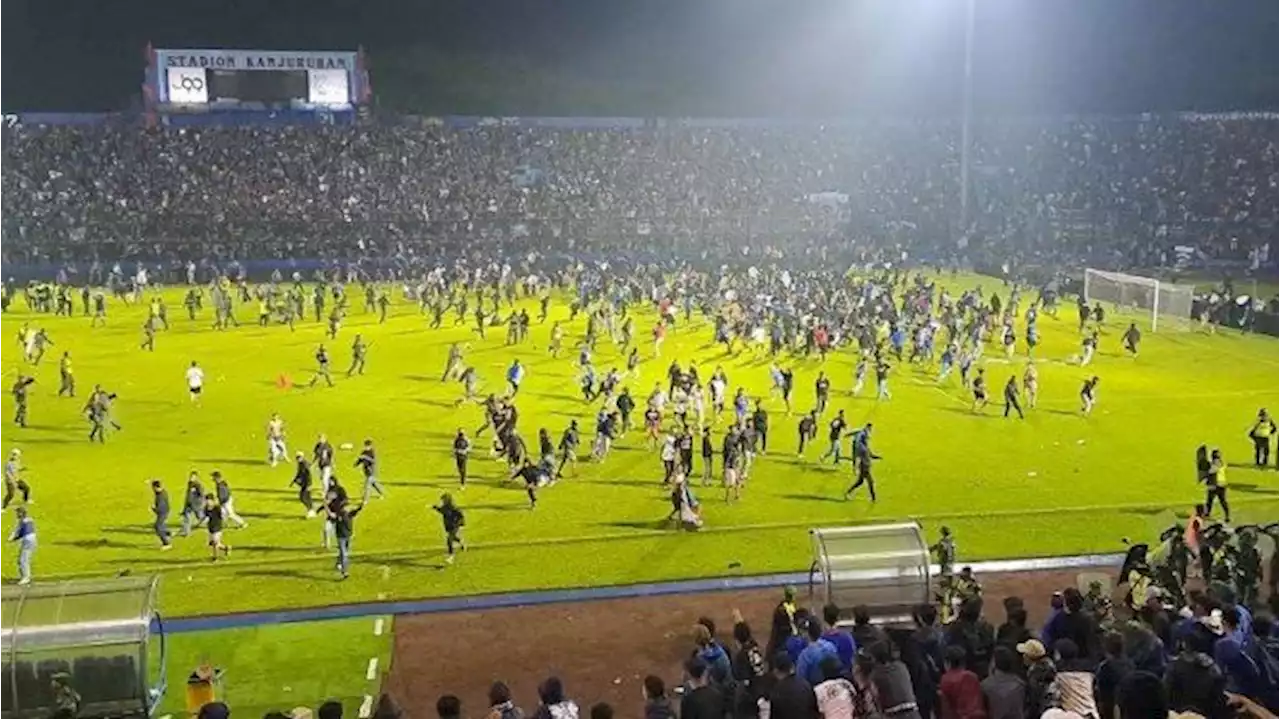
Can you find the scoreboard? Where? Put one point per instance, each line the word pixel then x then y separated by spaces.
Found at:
pixel 195 79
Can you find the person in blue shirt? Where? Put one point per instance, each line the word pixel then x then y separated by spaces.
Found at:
pixel 809 666
pixel 25 535
pixel 845 646
pixel 515 375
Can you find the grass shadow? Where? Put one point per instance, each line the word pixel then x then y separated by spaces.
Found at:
pixel 814 498
pixel 648 525
pixel 238 461
pixel 1250 488
pixel 99 543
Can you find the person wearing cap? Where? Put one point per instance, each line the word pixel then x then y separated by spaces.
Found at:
pixel 25 535
pixel 1040 674
pixel 66 700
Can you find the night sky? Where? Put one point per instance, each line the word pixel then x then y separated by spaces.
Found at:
pixel 816 58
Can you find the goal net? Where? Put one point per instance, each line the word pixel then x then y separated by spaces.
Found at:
pixel 1166 305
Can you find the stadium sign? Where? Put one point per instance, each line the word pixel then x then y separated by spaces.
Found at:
pixel 254 79
pixel 256 60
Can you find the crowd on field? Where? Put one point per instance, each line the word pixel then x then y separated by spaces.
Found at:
pixel 1109 193
pixel 1212 658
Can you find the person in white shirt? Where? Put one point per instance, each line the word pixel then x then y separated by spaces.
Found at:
pixel 276 449
pixel 195 381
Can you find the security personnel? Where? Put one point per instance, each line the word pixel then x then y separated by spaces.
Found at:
pixel 1261 433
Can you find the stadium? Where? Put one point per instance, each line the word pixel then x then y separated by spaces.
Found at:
pixel 883 380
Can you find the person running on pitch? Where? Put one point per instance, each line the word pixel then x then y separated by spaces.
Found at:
pixel 454 520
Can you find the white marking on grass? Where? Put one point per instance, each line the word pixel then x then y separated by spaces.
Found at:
pixel 372 671
pixel 366 707
pixel 377 627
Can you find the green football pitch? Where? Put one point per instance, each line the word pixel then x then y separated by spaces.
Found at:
pixel 1054 483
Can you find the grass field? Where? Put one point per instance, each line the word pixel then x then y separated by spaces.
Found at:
pixel 278 667
pixel 1055 483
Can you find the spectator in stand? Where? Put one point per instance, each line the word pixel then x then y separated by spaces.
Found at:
pixel 553 704
pixel 959 691
pixel 1141 695
pixel 791 697
pixel 809 667
pixel 1014 629
pixel 1004 691
pixel 500 704
pixel 1229 653
pixel 1265 653
pixel 711 652
pixel 329 710
pixel 798 641
pixel 449 707
pixel 1040 674
pixel 923 655
pixel 1113 669
pixel 702 698
pixel 845 646
pixel 837 697
pixel 1153 615
pixel 656 703
pixel 749 668
pixel 972 633
pixel 1073 623
pixel 1055 610
pixel 782 623
pixel 1193 683
pixel 864 632
pixel 601 710
pixel 891 683
pixel 1144 649
pixel 1073 681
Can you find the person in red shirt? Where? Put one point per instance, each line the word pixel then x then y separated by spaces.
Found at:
pixel 959 691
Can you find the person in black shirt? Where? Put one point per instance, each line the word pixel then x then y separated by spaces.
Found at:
pixel 834 434
pixel 160 508
pixel 568 447
pixel 343 529
pixel 625 405
pixel 322 455
pixel 193 504
pixel 760 422
pixel 302 480
pixel 461 451
pixel 822 389
pixel 808 430
pixel 1011 398
pixel 702 699
pixel 453 523
pixel 334 500
pixel 19 392
pixel 684 445
pixel 532 476
pixel 368 464
pixel 708 454
pixel 213 520
pixel 788 384
pixel 979 390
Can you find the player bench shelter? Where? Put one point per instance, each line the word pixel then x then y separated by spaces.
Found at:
pixel 95 635
pixel 884 567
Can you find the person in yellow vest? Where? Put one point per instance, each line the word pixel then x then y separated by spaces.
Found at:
pixel 1261 433
pixel 1216 481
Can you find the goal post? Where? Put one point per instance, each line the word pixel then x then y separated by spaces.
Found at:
pixel 1167 305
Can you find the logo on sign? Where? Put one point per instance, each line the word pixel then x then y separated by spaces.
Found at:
pixel 189 83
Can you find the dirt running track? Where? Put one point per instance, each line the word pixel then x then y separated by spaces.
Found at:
pixel 601 650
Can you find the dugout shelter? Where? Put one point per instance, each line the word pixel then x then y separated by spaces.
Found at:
pixel 884 567
pixel 94 635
